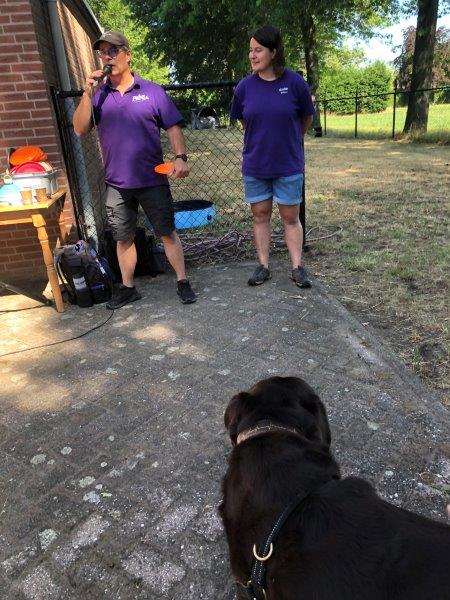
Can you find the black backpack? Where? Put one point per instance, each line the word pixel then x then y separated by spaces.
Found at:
pixel 82 260
pixel 151 258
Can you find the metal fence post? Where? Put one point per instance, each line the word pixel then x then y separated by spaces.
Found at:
pixel 394 108
pixel 325 115
pixel 302 215
pixel 356 114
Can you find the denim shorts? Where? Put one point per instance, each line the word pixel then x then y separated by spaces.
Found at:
pixel 284 190
pixel 122 209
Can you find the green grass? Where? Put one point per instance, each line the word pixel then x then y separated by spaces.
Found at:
pixel 389 264
pixel 379 125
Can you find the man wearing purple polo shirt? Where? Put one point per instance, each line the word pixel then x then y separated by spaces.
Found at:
pixel 128 112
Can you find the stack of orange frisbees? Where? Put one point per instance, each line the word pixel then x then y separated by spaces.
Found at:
pixel 26 154
pixel 29 169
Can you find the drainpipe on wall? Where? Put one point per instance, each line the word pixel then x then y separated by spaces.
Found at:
pixel 64 77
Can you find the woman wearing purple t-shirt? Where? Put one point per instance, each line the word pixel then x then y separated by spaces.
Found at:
pixel 275 107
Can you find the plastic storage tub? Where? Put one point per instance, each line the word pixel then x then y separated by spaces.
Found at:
pixel 37 180
pixel 193 213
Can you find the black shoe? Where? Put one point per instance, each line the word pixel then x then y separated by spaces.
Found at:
pixel 186 293
pixel 300 277
pixel 260 275
pixel 123 295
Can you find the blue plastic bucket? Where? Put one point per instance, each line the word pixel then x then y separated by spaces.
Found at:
pixel 193 213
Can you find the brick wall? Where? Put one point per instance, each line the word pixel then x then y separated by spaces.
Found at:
pixel 27 70
pixel 20 251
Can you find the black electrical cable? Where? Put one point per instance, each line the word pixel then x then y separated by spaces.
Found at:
pixel 60 341
pixel 194 246
pixel 13 310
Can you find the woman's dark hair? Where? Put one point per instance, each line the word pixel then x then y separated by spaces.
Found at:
pixel 270 38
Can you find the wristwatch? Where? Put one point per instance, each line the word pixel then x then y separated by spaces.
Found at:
pixel 182 156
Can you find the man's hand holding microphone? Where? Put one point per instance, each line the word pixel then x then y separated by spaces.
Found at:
pixel 95 78
pixel 82 119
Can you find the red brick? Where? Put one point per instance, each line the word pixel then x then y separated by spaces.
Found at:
pixel 23 19
pixel 31 78
pixel 43 142
pixel 21 264
pixel 22 56
pixel 38 104
pixel 21 7
pixel 11 77
pixel 43 131
pixel 14 48
pixel 5 38
pixel 19 28
pixel 28 88
pixel 33 66
pixel 42 123
pixel 12 105
pixel 14 141
pixel 25 37
pixel 38 95
pixel 40 113
pixel 7 90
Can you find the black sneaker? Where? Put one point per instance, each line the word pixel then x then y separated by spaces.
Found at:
pixel 300 277
pixel 123 295
pixel 260 275
pixel 186 293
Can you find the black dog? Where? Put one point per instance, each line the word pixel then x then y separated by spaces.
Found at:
pixel 341 541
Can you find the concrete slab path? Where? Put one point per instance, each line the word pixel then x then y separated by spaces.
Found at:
pixel 112 446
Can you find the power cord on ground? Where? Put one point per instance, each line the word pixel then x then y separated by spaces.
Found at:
pixel 13 310
pixel 77 337
pixel 194 246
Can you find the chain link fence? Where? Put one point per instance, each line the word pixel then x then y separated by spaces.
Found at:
pixel 214 145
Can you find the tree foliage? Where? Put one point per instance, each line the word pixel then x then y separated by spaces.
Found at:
pixel 372 82
pixel 441 63
pixel 208 41
pixel 116 15
pixel 199 39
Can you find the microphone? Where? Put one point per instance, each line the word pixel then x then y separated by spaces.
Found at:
pixel 105 72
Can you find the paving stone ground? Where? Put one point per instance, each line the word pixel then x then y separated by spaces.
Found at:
pixel 112 446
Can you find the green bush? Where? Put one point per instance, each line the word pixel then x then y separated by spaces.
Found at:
pixel 341 86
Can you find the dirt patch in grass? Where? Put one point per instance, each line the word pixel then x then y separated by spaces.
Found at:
pixel 389 265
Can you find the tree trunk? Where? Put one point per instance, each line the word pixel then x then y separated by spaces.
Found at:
pixel 422 72
pixel 312 64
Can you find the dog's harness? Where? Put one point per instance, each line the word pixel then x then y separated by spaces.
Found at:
pixel 255 587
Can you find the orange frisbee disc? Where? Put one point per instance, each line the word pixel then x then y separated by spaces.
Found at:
pixel 165 168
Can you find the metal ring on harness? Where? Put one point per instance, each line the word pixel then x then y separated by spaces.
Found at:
pixel 263 558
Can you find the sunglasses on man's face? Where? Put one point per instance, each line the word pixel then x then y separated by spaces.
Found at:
pixel 112 52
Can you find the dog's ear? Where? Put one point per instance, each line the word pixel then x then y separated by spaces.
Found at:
pixel 233 413
pixel 313 404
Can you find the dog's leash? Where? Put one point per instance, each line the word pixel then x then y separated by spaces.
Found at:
pixel 255 587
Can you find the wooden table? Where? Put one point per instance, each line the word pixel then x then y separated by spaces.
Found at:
pixel 36 214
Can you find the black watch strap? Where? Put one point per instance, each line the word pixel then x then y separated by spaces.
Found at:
pixel 182 156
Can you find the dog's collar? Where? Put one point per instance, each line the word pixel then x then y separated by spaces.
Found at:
pixel 262 428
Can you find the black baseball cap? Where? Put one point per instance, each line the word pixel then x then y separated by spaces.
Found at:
pixel 116 38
